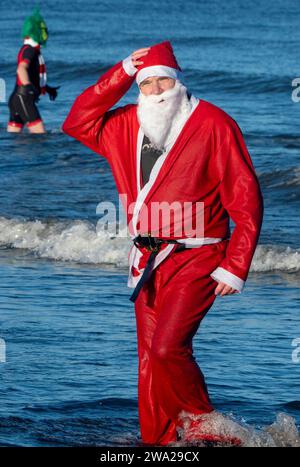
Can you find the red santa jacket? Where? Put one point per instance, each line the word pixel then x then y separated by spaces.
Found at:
pixel 208 163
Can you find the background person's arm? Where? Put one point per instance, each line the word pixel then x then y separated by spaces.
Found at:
pixel 25 87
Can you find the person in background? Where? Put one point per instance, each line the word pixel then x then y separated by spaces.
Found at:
pixel 31 79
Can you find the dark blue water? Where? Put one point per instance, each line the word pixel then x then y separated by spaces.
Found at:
pixel 70 376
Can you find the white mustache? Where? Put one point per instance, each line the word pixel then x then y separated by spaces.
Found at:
pixel 158 98
pixel 157 120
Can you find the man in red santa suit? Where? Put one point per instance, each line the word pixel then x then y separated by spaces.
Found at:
pixel 172 147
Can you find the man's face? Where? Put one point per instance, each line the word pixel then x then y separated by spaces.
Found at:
pixel 156 85
pixel 163 102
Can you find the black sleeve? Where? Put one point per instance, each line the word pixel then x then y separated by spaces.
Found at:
pixel 28 53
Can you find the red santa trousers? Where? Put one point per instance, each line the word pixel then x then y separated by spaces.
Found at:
pixel 168 313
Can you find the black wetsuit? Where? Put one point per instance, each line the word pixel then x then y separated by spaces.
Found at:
pixel 23 109
pixel 149 156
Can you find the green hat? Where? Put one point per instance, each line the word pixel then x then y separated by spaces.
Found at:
pixel 35 27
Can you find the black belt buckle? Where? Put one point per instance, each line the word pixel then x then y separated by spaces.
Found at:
pixel 150 243
pixel 153 244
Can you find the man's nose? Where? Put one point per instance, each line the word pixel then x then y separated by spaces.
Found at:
pixel 156 89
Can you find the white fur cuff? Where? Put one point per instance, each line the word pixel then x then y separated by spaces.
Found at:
pixel 222 275
pixel 128 66
pixel 157 70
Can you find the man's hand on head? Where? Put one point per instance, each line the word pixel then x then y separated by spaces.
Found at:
pixel 224 289
pixel 137 54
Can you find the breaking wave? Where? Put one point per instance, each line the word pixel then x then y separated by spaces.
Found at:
pixel 227 431
pixel 80 241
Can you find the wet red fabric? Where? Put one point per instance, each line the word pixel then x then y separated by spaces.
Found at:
pixel 168 313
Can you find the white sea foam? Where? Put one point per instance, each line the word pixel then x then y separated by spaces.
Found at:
pixel 79 241
pixel 282 433
pixel 271 258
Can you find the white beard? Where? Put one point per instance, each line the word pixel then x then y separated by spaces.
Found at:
pixel 160 121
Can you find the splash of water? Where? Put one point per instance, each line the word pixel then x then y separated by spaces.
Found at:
pixel 79 241
pixel 196 429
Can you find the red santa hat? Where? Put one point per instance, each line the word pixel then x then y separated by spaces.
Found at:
pixel 159 61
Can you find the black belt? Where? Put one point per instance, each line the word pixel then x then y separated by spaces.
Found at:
pixel 152 244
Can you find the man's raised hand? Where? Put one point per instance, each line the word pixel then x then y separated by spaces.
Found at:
pixel 137 54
